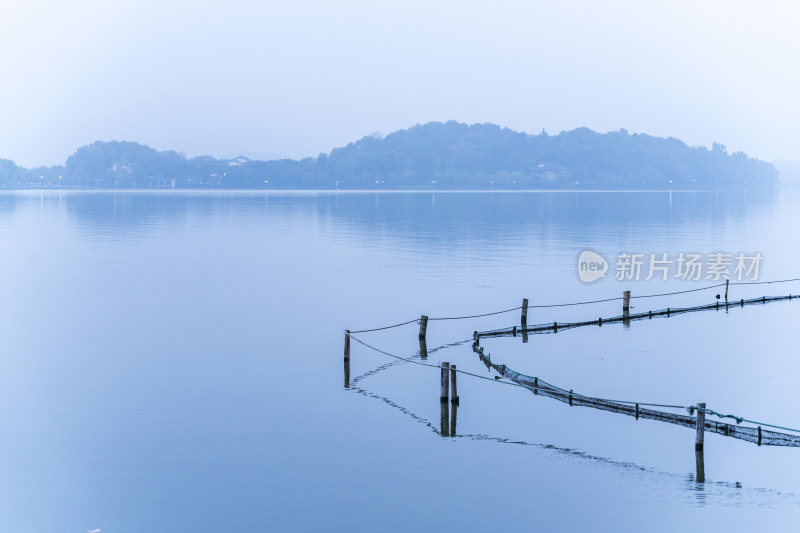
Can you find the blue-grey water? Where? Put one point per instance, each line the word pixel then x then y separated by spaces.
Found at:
pixel 172 361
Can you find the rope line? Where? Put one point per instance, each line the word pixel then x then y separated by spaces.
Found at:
pixel 587 302
pixel 553 327
pixel 564 391
pixel 544 385
pixel 386 327
pixel 739 419
pixel 434 366
pixel 764 282
pixel 478 316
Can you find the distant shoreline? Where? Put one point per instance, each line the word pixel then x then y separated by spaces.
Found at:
pixel 433 156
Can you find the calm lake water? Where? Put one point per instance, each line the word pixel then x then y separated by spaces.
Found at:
pixel 172 361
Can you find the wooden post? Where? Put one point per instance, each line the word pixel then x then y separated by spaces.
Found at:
pixel 524 317
pixel 445 382
pixel 444 430
pixel 536 385
pixel 423 326
pixel 524 335
pixel 347 345
pixel 727 281
pixel 626 309
pixel 453 419
pixel 701 426
pixel 453 388
pixel 423 348
pixel 347 373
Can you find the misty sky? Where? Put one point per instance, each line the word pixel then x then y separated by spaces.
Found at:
pixel 295 78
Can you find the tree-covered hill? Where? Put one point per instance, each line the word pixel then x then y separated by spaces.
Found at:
pixel 441 155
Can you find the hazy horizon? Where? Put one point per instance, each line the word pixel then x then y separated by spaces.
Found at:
pixel 380 134
pixel 272 81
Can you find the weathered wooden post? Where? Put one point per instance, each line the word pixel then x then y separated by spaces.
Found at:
pixel 423 348
pixel 727 281
pixel 453 417
pixel 453 388
pixel 701 426
pixel 423 326
pixel 347 345
pixel 445 382
pixel 524 335
pixel 524 317
pixel 444 429
pixel 626 308
pixel 347 373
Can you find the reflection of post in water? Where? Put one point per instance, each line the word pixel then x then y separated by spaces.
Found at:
pixel 423 348
pixel 444 430
pixel 453 416
pixel 700 476
pixel 347 373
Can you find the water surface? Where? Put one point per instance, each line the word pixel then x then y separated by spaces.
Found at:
pixel 172 361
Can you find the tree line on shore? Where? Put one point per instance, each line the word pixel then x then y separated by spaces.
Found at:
pixel 438 155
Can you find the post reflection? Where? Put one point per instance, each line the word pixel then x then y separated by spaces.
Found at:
pixel 700 475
